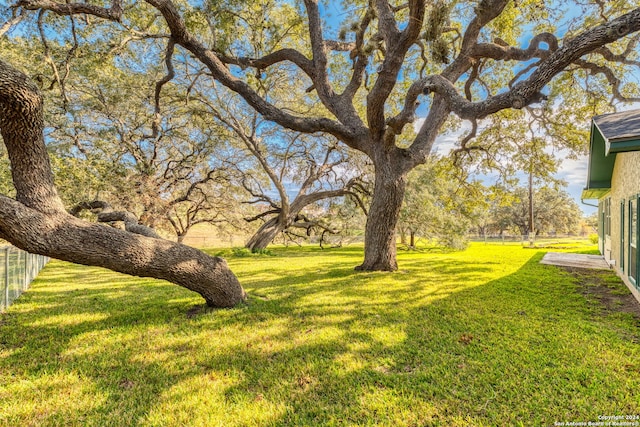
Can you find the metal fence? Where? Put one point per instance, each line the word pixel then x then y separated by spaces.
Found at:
pixel 17 270
pixel 542 239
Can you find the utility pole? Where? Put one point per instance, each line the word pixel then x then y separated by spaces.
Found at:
pixel 532 231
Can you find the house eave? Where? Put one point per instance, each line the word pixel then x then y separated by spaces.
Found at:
pixel 623 145
pixel 594 193
pixel 601 161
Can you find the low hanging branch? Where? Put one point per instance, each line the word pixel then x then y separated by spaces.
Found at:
pixel 106 214
pixel 37 221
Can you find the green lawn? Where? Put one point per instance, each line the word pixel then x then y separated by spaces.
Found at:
pixel 486 336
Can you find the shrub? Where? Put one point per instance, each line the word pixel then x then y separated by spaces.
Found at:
pixel 243 253
pixel 454 241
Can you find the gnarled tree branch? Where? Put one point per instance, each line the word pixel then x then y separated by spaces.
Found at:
pixel 114 13
pixel 105 213
pixel 37 222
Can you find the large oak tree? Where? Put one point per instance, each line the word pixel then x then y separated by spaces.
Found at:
pixel 37 221
pixel 389 58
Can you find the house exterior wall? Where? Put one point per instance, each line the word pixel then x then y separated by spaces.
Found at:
pixel 625 185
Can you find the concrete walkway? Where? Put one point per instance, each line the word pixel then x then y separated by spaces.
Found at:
pixel 575 260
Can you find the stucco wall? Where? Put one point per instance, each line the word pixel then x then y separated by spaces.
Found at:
pixel 625 184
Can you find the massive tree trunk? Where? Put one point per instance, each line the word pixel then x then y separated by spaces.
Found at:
pixel 384 212
pixel 36 220
pixel 266 233
pixel 62 236
pixel 289 215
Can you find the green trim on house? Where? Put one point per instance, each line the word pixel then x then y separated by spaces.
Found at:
pixel 600 166
pixel 623 146
pixel 610 134
pixel 593 193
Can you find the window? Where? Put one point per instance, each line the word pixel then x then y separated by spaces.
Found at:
pixel 606 211
pixel 633 240
pixel 622 237
pixel 633 222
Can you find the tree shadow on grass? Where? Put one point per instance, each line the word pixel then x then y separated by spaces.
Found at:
pixel 438 345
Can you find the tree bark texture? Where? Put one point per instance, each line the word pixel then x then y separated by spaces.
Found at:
pixel 287 217
pixel 266 233
pixel 106 214
pixel 36 220
pixel 384 212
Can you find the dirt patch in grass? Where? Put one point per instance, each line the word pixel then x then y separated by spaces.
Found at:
pixel 607 288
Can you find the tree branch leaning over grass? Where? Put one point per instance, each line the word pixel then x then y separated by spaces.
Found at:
pixel 371 95
pixel 37 221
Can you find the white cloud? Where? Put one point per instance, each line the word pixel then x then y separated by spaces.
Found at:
pixel 445 142
pixel 573 171
pixel 418 124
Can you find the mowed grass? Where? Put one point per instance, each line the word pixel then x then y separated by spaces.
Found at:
pixel 483 337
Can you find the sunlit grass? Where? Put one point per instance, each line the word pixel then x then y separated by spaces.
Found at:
pixel 486 336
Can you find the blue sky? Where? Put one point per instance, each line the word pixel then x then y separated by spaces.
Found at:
pixel 574 172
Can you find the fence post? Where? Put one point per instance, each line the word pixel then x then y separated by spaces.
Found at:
pixel 13 269
pixel 6 276
pixel 25 282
